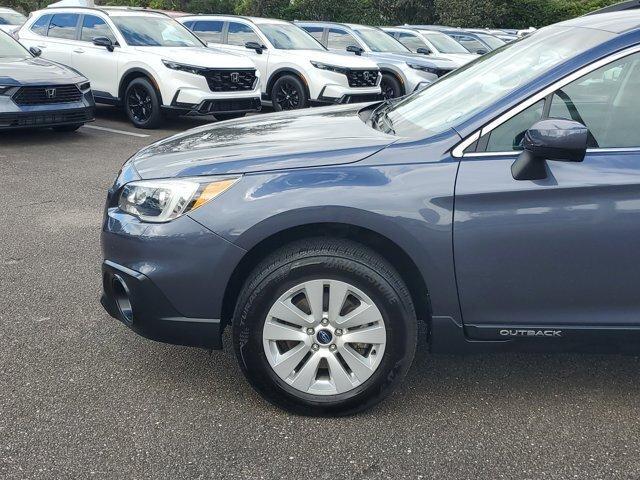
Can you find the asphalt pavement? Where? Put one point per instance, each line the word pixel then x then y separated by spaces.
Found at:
pixel 83 397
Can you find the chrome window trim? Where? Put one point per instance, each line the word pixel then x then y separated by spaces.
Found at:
pixel 515 153
pixel 458 150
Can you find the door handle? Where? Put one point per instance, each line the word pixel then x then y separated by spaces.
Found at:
pixel 42 46
pixel 79 50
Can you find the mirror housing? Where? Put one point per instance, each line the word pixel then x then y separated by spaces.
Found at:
pixel 550 139
pixel 424 51
pixel 482 51
pixel 103 42
pixel 255 46
pixel 355 49
pixel 35 51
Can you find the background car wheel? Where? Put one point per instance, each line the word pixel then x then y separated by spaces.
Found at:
pixel 142 104
pixel 228 116
pixel 390 86
pixel 67 128
pixel 288 93
pixel 324 327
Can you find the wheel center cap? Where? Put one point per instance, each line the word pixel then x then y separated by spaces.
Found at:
pixel 324 337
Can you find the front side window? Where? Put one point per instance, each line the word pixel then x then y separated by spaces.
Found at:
pixel 239 34
pixel 154 31
pixel 470 43
pixel 41 25
pixel 9 48
pixel 93 27
pixel 379 41
pixel 209 30
pixel 411 41
pixel 493 42
pixel 476 86
pixel 340 39
pixel 289 37
pixel 315 32
pixel 444 43
pixel 507 137
pixel 63 25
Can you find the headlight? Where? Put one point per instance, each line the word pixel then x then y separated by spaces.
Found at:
pixel 424 68
pixel 184 68
pixel 5 89
pixel 160 201
pixel 331 68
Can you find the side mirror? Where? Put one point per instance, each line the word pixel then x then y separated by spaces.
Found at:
pixel 550 139
pixel 104 42
pixel 255 46
pixel 35 51
pixel 482 51
pixel 424 51
pixel 355 49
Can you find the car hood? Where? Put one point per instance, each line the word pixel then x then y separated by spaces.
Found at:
pixel 402 58
pixel 348 60
pixel 309 138
pixel 460 58
pixel 36 71
pixel 199 56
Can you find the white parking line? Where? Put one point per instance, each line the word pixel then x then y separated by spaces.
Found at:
pixel 113 130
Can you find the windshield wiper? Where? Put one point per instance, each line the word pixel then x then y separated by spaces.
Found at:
pixel 379 115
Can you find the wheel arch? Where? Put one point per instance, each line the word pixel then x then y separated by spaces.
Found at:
pixel 287 71
pixel 133 73
pixel 379 242
pixel 397 76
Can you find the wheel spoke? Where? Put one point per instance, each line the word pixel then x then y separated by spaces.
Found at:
pixel 307 374
pixel 357 363
pixel 278 331
pixel 314 292
pixel 337 295
pixel 362 315
pixel 290 360
pixel 288 312
pixel 375 334
pixel 340 378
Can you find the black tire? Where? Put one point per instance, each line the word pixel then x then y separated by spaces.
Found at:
pixel 228 116
pixel 68 128
pixel 337 260
pixel 390 86
pixel 142 104
pixel 288 93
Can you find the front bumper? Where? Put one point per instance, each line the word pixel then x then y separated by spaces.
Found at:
pixel 213 106
pixel 173 276
pixel 13 116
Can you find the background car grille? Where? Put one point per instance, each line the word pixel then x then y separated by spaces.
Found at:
pixel 362 78
pixel 230 80
pixel 47 95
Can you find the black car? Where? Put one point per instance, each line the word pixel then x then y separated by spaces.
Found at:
pixel 38 93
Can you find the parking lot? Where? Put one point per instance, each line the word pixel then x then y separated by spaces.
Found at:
pixel 83 397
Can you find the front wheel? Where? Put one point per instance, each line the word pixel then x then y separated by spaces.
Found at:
pixel 390 86
pixel 324 327
pixel 288 93
pixel 142 104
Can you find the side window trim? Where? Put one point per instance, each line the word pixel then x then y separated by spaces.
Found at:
pixel 458 150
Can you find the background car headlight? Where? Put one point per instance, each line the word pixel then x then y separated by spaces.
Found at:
pixel 331 68
pixel 183 68
pixel 84 87
pixel 160 201
pixel 424 68
pixel 4 89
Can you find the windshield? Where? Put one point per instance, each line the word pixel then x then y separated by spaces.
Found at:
pixel 379 41
pixel 148 31
pixel 462 93
pixel 9 48
pixel 289 37
pixel 493 42
pixel 12 18
pixel 444 43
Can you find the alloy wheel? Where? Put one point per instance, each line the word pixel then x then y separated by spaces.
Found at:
pixel 140 103
pixel 287 96
pixel 324 337
pixel 388 91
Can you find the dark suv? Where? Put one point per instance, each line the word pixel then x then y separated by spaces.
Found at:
pixel 39 93
pixel 500 206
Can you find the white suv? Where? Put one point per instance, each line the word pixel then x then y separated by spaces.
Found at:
pixel 296 69
pixel 10 20
pixel 146 62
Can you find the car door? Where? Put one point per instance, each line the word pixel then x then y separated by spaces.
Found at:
pixel 98 64
pixel 237 36
pixel 61 37
pixel 563 251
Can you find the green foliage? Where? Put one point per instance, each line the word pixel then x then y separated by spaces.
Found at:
pixel 458 13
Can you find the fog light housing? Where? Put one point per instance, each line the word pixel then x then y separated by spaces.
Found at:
pixel 121 298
